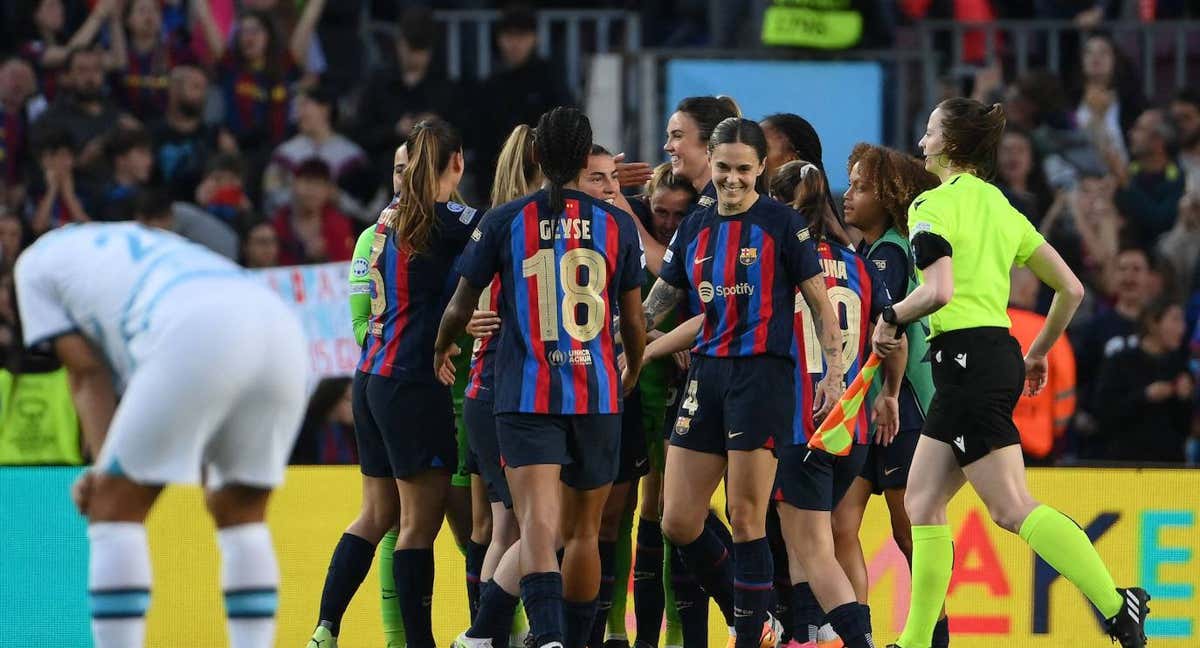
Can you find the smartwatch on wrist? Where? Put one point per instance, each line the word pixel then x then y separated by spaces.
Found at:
pixel 889 316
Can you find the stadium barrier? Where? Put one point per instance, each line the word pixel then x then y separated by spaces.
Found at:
pixel 1144 523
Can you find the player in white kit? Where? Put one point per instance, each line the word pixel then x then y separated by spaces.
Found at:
pixel 211 370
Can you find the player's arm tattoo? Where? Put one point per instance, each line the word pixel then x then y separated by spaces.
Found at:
pixel 825 321
pixel 662 299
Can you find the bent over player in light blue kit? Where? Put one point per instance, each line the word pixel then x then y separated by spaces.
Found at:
pixel 210 366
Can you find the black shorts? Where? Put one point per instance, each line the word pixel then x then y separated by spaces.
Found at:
pixel 402 428
pixel 814 480
pixel 735 404
pixel 588 447
pixel 481 434
pixel 978 375
pixel 635 457
pixel 886 467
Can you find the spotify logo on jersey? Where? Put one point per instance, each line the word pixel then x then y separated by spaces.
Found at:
pixel 707 291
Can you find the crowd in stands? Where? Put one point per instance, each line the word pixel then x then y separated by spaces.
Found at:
pixel 257 131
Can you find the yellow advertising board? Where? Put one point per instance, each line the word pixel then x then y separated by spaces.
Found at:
pixel 1143 523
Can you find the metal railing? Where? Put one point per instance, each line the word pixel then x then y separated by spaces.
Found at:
pixel 572 34
pixel 1024 44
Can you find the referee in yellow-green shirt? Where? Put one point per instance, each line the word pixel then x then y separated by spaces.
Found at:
pixel 965 238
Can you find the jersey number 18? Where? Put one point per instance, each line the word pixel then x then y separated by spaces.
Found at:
pixel 587 294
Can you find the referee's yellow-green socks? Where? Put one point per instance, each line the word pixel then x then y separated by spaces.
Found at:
pixel 932 564
pixel 1061 543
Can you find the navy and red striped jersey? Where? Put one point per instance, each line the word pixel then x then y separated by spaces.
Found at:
pixel 13 146
pixel 257 101
pixel 144 82
pixel 482 377
pixel 561 275
pixel 741 272
pixel 409 292
pixel 858 295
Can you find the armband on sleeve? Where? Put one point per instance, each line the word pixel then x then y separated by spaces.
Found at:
pixel 929 247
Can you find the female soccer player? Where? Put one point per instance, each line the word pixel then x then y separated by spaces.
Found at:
pixel 883 183
pixel 404 419
pixel 558 396
pixel 739 262
pixel 965 238
pixel 688 131
pixel 810 483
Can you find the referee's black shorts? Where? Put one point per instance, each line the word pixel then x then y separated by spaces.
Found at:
pixel 978 374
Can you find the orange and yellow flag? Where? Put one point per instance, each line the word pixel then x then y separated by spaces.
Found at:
pixel 836 433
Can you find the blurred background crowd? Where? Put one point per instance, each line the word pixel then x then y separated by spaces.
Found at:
pixel 264 129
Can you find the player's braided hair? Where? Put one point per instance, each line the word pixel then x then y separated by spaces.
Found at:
pixel 806 144
pixel 971 132
pixel 562 144
pixel 430 146
pixel 896 179
pixel 517 170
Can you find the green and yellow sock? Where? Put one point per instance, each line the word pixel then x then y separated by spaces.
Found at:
pixel 932 565
pixel 389 605
pixel 674 630
pixel 622 563
pixel 1066 548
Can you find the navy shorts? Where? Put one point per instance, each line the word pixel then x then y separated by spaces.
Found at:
pixel 402 428
pixel 635 457
pixel 886 467
pixel 588 446
pixel 814 480
pixel 735 404
pixel 978 375
pixel 481 434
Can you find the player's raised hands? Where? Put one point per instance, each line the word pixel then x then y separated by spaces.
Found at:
pixel 1035 374
pixel 632 174
pixel 443 364
pixel 483 324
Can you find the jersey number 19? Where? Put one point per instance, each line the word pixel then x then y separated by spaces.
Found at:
pixel 847 305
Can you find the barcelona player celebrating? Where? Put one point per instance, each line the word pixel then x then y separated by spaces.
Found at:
pixel 739 262
pixel 404 419
pixel 567 264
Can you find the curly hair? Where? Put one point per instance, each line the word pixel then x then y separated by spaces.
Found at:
pixel 896 179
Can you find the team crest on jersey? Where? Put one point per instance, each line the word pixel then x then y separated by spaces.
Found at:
pixel 748 256
pixel 682 425
pixel 706 201
pixel 360 267
pixel 803 235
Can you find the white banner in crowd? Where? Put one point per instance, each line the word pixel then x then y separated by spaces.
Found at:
pixel 320 296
